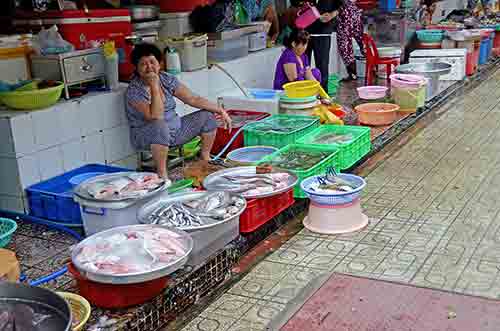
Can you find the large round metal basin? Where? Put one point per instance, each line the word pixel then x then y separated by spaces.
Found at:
pixel 431 71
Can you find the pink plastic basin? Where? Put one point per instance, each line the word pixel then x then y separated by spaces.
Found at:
pixel 372 92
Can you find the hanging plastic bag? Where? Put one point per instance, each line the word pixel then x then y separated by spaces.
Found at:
pixel 240 14
pixel 50 41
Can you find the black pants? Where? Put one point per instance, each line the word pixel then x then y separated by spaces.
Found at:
pixel 320 46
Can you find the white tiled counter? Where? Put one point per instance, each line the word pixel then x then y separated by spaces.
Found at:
pixel 41 144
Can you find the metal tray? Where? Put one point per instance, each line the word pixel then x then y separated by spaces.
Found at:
pixel 133 278
pixel 39 298
pixel 212 181
pixel 82 192
pixel 151 206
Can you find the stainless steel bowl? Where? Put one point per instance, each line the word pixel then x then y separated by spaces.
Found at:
pixel 41 301
pixel 137 277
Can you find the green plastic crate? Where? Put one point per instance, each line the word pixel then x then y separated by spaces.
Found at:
pixel 350 152
pixel 318 169
pixel 253 136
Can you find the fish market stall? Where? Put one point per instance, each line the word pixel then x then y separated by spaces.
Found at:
pixel 211 219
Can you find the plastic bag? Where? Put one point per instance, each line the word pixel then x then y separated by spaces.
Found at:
pixel 240 14
pixel 50 41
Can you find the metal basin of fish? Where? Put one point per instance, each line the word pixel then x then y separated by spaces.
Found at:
pixel 82 190
pixel 145 213
pixel 36 308
pixel 218 181
pixel 157 270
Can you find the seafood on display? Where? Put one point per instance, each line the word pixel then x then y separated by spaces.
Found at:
pixel 131 251
pixel 333 138
pixel 333 185
pixel 212 208
pixel 298 159
pixel 129 186
pixel 239 120
pixel 21 317
pixel 282 125
pixel 255 184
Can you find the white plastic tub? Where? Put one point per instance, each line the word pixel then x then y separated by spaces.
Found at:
pixel 257 41
pixel 100 216
pixel 174 24
pixel 228 49
pixel 192 51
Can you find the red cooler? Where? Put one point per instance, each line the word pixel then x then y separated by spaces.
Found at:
pixel 83 28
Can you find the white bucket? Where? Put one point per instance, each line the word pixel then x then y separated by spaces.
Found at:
pixel 100 216
pixel 335 219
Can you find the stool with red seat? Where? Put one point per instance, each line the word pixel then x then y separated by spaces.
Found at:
pixel 373 60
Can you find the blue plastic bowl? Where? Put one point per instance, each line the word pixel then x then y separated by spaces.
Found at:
pixel 334 198
pixel 78 179
pixel 264 94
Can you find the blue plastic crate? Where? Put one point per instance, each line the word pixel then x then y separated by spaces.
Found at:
pixel 53 199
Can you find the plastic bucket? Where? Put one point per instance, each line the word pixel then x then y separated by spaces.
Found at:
pixel 306 16
pixel 409 99
pixel 483 51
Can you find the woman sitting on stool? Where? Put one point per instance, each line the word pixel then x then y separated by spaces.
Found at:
pixel 150 109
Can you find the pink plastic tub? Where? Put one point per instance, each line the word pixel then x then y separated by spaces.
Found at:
pixel 306 16
pixel 372 92
pixel 407 81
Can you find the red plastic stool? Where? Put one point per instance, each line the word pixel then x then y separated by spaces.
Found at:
pixel 373 60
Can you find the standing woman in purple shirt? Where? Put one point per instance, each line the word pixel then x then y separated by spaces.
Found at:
pixel 293 64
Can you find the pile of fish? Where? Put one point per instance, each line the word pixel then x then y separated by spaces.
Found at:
pixel 282 125
pixel 20 317
pixel 131 251
pixel 132 185
pixel 298 159
pixel 333 185
pixel 213 207
pixel 255 184
pixel 330 138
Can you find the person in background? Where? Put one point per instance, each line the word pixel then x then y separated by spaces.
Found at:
pixel 150 109
pixel 263 10
pixel 293 64
pixel 321 41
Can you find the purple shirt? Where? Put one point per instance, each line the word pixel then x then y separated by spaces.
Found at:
pixel 288 56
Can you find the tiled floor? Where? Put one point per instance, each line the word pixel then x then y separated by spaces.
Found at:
pixel 434 222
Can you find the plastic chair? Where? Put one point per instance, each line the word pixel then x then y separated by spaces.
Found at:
pixel 373 60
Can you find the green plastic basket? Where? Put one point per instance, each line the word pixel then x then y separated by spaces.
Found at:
pixel 7 229
pixel 318 169
pixel 349 152
pixel 33 99
pixel 333 85
pixel 253 136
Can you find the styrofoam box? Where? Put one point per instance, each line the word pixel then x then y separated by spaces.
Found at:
pixel 455 57
pixel 174 24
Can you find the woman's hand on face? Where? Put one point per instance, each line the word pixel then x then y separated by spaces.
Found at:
pixel 152 79
pixel 226 119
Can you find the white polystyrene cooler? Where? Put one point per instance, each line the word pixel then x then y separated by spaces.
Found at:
pixel 456 57
pixel 174 24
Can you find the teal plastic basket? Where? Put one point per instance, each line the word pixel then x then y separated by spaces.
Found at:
pixel 7 229
pixel 256 134
pixel 430 36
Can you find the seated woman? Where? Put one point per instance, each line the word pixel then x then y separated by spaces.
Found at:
pixel 150 109
pixel 293 64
